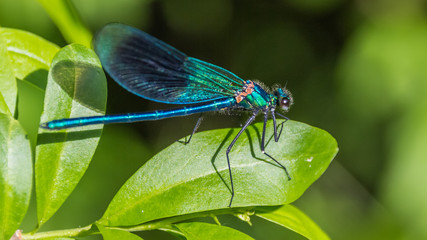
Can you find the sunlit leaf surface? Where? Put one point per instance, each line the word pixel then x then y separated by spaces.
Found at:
pixel 76 87
pixel 22 54
pixel 190 178
pixel 113 234
pixel 202 231
pixel 291 217
pixel 16 173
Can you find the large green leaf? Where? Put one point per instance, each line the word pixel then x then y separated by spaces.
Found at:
pixel 205 231
pixel 192 178
pixel 27 53
pixel 291 217
pixel 76 87
pixel 8 88
pixel 24 57
pixel 113 234
pixel 16 173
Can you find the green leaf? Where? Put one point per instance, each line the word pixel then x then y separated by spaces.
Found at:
pixel 172 230
pixel 191 178
pixel 113 234
pixel 15 175
pixel 202 231
pixel 76 87
pixel 28 54
pixel 65 16
pixel 291 217
pixel 27 57
pixel 8 88
pixel 3 106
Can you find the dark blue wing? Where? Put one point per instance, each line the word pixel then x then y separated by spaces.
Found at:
pixel 156 71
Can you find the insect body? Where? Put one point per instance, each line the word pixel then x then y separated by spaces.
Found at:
pixel 156 71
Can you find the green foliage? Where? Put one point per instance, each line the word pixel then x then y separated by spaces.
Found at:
pixel 62 157
pixel 173 190
pixel 113 234
pixel 8 86
pixel 291 217
pixel 3 106
pixel 27 53
pixel 16 172
pixel 21 54
pixel 178 181
pixel 386 62
pixel 199 231
pixel 68 20
pixel 181 179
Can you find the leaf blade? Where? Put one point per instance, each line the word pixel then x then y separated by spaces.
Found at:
pixel 27 52
pixel 183 179
pixel 8 87
pixel 15 175
pixel 22 54
pixel 292 218
pixel 113 234
pixel 201 231
pixel 62 157
pixel 68 21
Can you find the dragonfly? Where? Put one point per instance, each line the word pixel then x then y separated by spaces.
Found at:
pixel 154 70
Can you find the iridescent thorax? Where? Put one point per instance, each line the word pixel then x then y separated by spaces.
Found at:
pixel 253 96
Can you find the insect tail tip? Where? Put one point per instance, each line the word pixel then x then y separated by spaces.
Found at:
pixel 45 126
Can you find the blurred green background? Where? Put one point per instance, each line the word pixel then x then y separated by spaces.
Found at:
pixel 357 69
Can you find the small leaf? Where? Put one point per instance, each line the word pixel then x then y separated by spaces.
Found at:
pixel 291 217
pixel 203 231
pixel 15 175
pixel 28 53
pixel 76 87
pixel 8 88
pixel 191 178
pixel 23 56
pixel 113 234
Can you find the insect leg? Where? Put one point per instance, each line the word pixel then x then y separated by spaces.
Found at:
pixel 248 122
pixel 263 146
pixel 281 124
pixel 199 121
pixel 276 138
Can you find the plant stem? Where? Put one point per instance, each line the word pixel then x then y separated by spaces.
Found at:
pixel 163 223
pixel 75 232
pixel 68 21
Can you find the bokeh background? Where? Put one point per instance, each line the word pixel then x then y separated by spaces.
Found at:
pixel 357 69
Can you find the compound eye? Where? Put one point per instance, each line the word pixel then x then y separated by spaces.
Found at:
pixel 285 103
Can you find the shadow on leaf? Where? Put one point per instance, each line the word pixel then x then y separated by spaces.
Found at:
pixel 58 137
